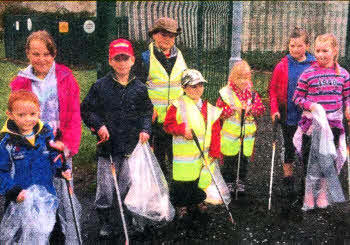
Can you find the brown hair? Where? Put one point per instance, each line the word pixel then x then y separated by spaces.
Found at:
pixel 22 95
pixel 237 70
pixel 299 32
pixel 332 40
pixel 46 38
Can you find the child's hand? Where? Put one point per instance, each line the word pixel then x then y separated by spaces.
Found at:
pixel 314 107
pixel 248 108
pixel 154 116
pixel 21 196
pixel 58 145
pixel 103 134
pixel 188 134
pixel 275 115
pixel 347 113
pixel 67 174
pixel 143 137
pixel 236 108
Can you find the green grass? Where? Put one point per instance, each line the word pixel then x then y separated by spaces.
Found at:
pixel 86 156
pixel 2 49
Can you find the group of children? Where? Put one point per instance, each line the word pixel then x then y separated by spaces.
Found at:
pixel 302 88
pixel 119 111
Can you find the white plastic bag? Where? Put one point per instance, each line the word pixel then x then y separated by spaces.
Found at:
pixel 326 142
pixel 213 196
pixel 31 221
pixel 148 195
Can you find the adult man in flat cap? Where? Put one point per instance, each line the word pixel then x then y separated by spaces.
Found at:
pixel 161 67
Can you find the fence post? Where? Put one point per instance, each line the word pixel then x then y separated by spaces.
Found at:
pixel 200 30
pixel 105 31
pixel 347 43
pixel 236 32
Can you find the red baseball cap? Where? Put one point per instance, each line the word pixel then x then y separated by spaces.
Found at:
pixel 120 46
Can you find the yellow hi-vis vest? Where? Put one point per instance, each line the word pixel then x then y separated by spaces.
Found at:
pixel 162 89
pixel 231 128
pixel 187 162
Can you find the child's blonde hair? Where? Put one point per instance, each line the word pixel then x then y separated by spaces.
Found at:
pixel 332 40
pixel 237 70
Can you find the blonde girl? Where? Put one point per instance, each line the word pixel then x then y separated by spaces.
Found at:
pixel 322 88
pixel 236 96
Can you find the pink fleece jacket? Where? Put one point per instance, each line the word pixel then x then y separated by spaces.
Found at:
pixel 69 105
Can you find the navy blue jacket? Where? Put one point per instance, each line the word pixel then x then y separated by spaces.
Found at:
pixel 124 110
pixel 23 164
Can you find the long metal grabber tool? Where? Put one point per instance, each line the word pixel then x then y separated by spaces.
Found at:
pixel 241 138
pixel 69 187
pixel 119 200
pixel 274 140
pixel 211 174
pixel 347 129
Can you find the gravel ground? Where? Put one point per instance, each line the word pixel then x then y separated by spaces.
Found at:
pixel 254 223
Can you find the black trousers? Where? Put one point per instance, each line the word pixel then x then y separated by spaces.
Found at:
pixel 229 168
pixel 288 132
pixel 305 149
pixel 163 148
pixel 306 145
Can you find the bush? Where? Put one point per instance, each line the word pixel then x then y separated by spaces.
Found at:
pixel 345 62
pixel 263 61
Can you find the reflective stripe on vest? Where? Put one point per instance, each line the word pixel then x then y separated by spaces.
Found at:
pixel 163 90
pixel 231 129
pixel 187 163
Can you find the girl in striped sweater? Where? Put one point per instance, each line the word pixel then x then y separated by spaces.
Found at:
pixel 322 88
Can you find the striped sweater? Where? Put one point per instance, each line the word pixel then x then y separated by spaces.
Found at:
pixel 323 86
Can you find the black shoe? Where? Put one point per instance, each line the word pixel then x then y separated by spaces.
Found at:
pixel 106 231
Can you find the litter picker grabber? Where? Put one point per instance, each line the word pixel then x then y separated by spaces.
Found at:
pixel 274 140
pixel 347 129
pixel 211 174
pixel 119 200
pixel 69 188
pixel 70 194
pixel 241 138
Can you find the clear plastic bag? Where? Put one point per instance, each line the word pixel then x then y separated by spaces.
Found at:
pixel 148 195
pixel 31 221
pixel 213 196
pixel 322 185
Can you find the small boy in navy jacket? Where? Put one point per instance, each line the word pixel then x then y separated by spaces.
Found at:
pixel 26 154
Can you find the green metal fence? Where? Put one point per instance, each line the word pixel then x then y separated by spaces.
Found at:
pixel 267 24
pixel 205 40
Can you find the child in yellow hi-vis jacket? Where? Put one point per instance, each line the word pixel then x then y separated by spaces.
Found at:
pixel 238 101
pixel 186 113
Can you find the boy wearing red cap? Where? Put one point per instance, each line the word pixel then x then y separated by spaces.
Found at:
pixel 119 110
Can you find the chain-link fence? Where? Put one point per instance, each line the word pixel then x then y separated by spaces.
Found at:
pixel 267 24
pixel 205 39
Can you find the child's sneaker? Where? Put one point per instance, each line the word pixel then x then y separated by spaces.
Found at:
pixel 322 201
pixel 309 202
pixel 230 187
pixel 106 230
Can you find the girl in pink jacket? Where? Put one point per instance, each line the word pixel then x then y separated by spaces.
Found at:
pixel 58 93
